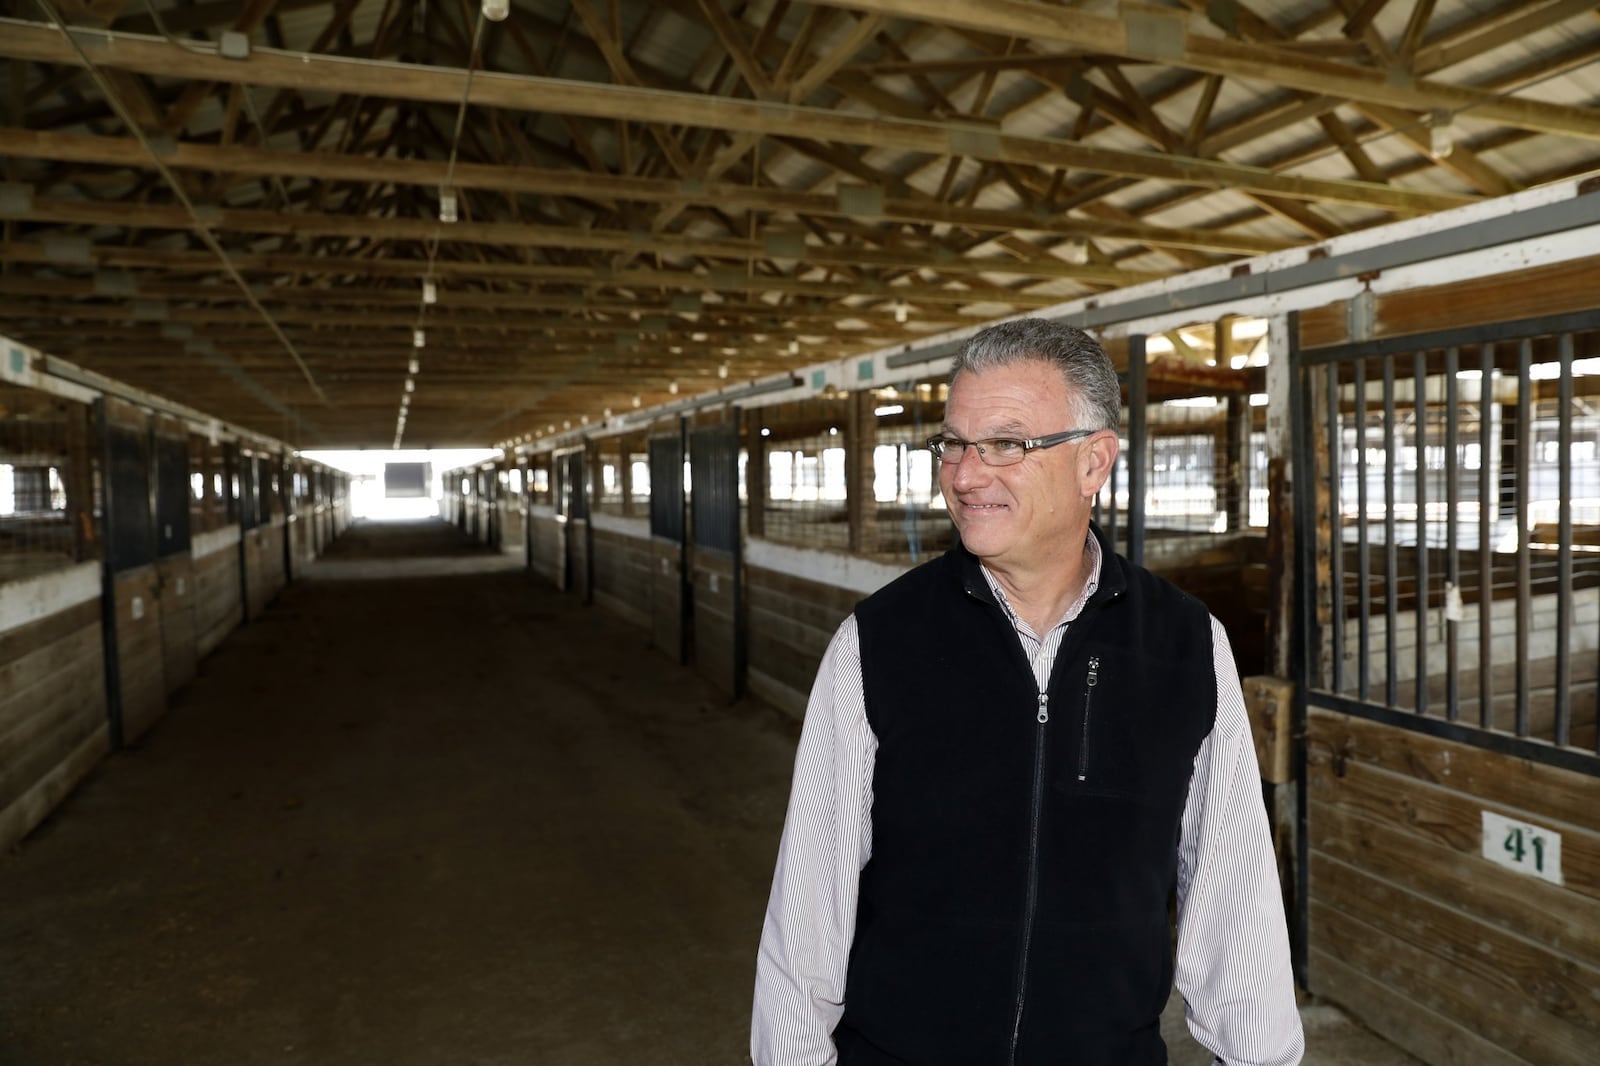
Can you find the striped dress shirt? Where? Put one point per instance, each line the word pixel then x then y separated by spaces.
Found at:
pixel 1232 965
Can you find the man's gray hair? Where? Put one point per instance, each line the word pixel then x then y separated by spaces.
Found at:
pixel 1095 394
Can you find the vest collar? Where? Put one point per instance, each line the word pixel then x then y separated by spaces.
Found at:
pixel 1113 576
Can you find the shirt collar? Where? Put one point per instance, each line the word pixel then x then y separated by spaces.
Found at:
pixel 1092 558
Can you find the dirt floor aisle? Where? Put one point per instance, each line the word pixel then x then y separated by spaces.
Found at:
pixel 431 820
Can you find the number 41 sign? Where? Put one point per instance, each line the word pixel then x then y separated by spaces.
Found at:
pixel 1527 849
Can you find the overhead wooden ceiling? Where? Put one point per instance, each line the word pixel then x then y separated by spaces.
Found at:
pixel 237 205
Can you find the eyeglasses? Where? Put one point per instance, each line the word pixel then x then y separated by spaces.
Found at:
pixel 1000 451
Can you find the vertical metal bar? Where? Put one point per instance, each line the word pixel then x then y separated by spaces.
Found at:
pixel 1363 562
pixel 1524 446
pixel 1335 526
pixel 1419 422
pixel 1302 651
pixel 1138 445
pixel 1452 496
pixel 1488 515
pixel 108 579
pixel 1391 552
pixel 1563 724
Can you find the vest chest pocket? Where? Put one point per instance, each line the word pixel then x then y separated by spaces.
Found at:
pixel 1124 736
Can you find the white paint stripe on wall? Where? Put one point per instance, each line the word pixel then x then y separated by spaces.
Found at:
pixel 213 541
pixel 825 568
pixel 638 528
pixel 33 598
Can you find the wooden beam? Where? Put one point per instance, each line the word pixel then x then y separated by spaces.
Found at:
pixel 1127 36
pixel 28 41
pixel 332 166
pixel 731 281
pixel 308 224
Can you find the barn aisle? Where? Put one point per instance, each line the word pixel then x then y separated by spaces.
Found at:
pixel 407 819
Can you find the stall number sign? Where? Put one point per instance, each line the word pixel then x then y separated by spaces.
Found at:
pixel 1527 849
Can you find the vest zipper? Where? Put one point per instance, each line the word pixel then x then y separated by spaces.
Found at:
pixel 1089 684
pixel 1043 718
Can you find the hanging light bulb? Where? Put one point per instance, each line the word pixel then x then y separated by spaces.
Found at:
pixel 722 371
pixel 1441 134
pixel 418 338
pixel 672 387
pixel 430 293
pixel 794 347
pixel 414 367
pixel 411 385
pixel 901 311
pixel 636 401
pixel 496 10
pixel 447 205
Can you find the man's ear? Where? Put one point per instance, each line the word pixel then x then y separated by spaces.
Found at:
pixel 1096 459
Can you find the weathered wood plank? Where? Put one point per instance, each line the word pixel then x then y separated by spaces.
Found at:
pixel 1560 917
pixel 34 685
pixel 1424 1033
pixel 1567 991
pixel 1478 1006
pixel 29 809
pixel 1539 789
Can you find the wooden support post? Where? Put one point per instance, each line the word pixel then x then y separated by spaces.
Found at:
pixel 1236 449
pixel 78 479
pixel 860 437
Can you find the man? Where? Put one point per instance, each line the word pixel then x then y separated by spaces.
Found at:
pixel 1012 756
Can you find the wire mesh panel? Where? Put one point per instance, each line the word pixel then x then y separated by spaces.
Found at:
pixel 805 483
pixel 610 474
pixel 911 522
pixel 1462 487
pixel 47 475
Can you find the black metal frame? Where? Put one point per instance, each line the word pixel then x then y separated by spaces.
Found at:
pixel 1305 363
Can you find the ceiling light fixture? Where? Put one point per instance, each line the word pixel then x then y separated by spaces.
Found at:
pixel 1441 134
pixel 447 205
pixel 419 339
pixel 794 347
pixel 430 293
pixel 901 311
pixel 496 10
pixel 672 387
pixel 414 367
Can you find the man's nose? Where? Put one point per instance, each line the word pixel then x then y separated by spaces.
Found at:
pixel 969 468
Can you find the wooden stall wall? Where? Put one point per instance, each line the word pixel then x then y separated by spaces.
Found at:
pixel 716 620
pixel 576 539
pixel 218 609
pixel 1452 957
pixel 623 580
pixel 548 549
pixel 174 564
pixel 141 661
pixel 53 726
pixel 513 524
pixel 667 598
pixel 179 647
pixel 796 598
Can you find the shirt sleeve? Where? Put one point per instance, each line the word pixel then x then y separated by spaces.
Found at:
pixel 1233 946
pixel 827 839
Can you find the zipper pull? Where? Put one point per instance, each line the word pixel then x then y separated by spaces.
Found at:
pixel 1044 707
pixel 1094 672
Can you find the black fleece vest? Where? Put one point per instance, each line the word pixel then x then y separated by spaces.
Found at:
pixel 1015 908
